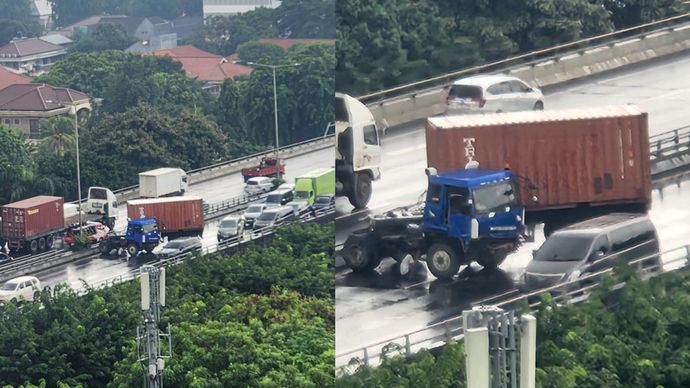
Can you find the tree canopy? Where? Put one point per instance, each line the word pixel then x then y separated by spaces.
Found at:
pixel 235 323
pixel 391 42
pixel 103 36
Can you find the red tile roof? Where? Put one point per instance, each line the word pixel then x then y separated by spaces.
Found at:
pixel 287 43
pixel 37 97
pixel 186 51
pixel 30 46
pixel 212 69
pixel 202 65
pixel 8 78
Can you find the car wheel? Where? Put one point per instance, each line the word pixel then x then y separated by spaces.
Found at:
pixel 539 105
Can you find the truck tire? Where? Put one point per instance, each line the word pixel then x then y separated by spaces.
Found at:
pixel 491 261
pixel 360 254
pixel 104 247
pixel 132 249
pixel 42 244
pixel 361 192
pixel 49 242
pixel 442 260
pixel 33 246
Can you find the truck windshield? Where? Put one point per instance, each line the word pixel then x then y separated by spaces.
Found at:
pixel 564 247
pixel 97 193
pixel 150 228
pixel 495 197
pixel 301 195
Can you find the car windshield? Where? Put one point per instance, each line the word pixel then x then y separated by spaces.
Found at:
pixel 228 223
pixel 9 286
pixel 465 91
pixel 267 216
pixel 174 245
pixel 323 199
pixel 254 209
pixel 564 247
pixel 494 197
pixel 274 198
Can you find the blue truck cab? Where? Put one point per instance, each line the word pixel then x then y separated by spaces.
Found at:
pixel 471 214
pixel 143 234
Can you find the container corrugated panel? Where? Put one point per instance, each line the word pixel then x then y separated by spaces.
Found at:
pixel 175 214
pixel 578 156
pixel 33 216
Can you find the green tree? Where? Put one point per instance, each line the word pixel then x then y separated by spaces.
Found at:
pixel 57 134
pixel 102 37
pixel 223 34
pixel 628 13
pixel 260 53
pixel 16 18
pixel 306 19
pixel 16 167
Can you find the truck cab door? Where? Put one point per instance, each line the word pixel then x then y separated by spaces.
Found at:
pixel 459 209
pixel 366 148
pixel 434 215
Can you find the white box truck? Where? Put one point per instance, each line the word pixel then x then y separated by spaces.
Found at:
pixel 162 182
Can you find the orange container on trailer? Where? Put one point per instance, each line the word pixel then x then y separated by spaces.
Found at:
pixel 591 156
pixel 175 214
pixel 30 219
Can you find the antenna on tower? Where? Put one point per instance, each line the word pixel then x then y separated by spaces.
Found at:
pixel 148 334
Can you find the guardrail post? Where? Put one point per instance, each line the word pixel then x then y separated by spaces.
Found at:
pixel 408 350
pixel 446 326
pixel 366 357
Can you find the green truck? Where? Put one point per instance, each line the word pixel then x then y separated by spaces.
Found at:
pixel 317 182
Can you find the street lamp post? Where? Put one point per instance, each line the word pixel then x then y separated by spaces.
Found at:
pixel 275 94
pixel 76 141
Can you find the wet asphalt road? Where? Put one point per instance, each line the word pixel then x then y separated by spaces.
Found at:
pixel 377 306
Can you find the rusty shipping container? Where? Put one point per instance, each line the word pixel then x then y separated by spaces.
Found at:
pixel 577 157
pixel 32 222
pixel 177 215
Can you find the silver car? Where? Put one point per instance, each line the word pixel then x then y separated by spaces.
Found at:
pixel 252 213
pixel 274 216
pixel 492 94
pixel 177 247
pixel 230 227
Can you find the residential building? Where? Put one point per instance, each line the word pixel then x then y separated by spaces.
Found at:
pixel 30 55
pixel 23 105
pixel 57 39
pixel 8 78
pixel 187 26
pixel 234 7
pixel 209 68
pixel 42 10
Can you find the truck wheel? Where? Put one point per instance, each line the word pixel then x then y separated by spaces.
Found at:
pixel 489 260
pixel 361 193
pixel 132 249
pixel 33 246
pixel 442 260
pixel 360 253
pixel 104 247
pixel 41 244
pixel 49 242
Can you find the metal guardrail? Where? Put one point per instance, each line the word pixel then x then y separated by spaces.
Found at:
pixel 235 243
pixel 413 88
pixel 451 329
pixel 245 159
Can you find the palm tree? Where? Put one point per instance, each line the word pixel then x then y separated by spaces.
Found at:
pixel 58 134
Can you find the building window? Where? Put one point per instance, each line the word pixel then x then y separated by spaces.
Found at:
pixel 16 121
pixel 7 121
pixel 34 129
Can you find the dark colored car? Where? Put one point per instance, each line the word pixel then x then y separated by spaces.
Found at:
pixel 178 246
pixel 5 258
pixel 592 246
pixel 323 201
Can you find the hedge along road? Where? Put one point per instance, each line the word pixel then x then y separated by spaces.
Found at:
pixel 381 305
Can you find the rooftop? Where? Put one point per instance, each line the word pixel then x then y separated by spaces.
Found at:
pixel 28 46
pixel 38 97
pixel 8 78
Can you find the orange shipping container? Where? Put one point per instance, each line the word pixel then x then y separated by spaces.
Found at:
pixel 176 215
pixel 593 156
pixel 37 218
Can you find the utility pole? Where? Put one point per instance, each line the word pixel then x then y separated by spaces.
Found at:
pixel 148 335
